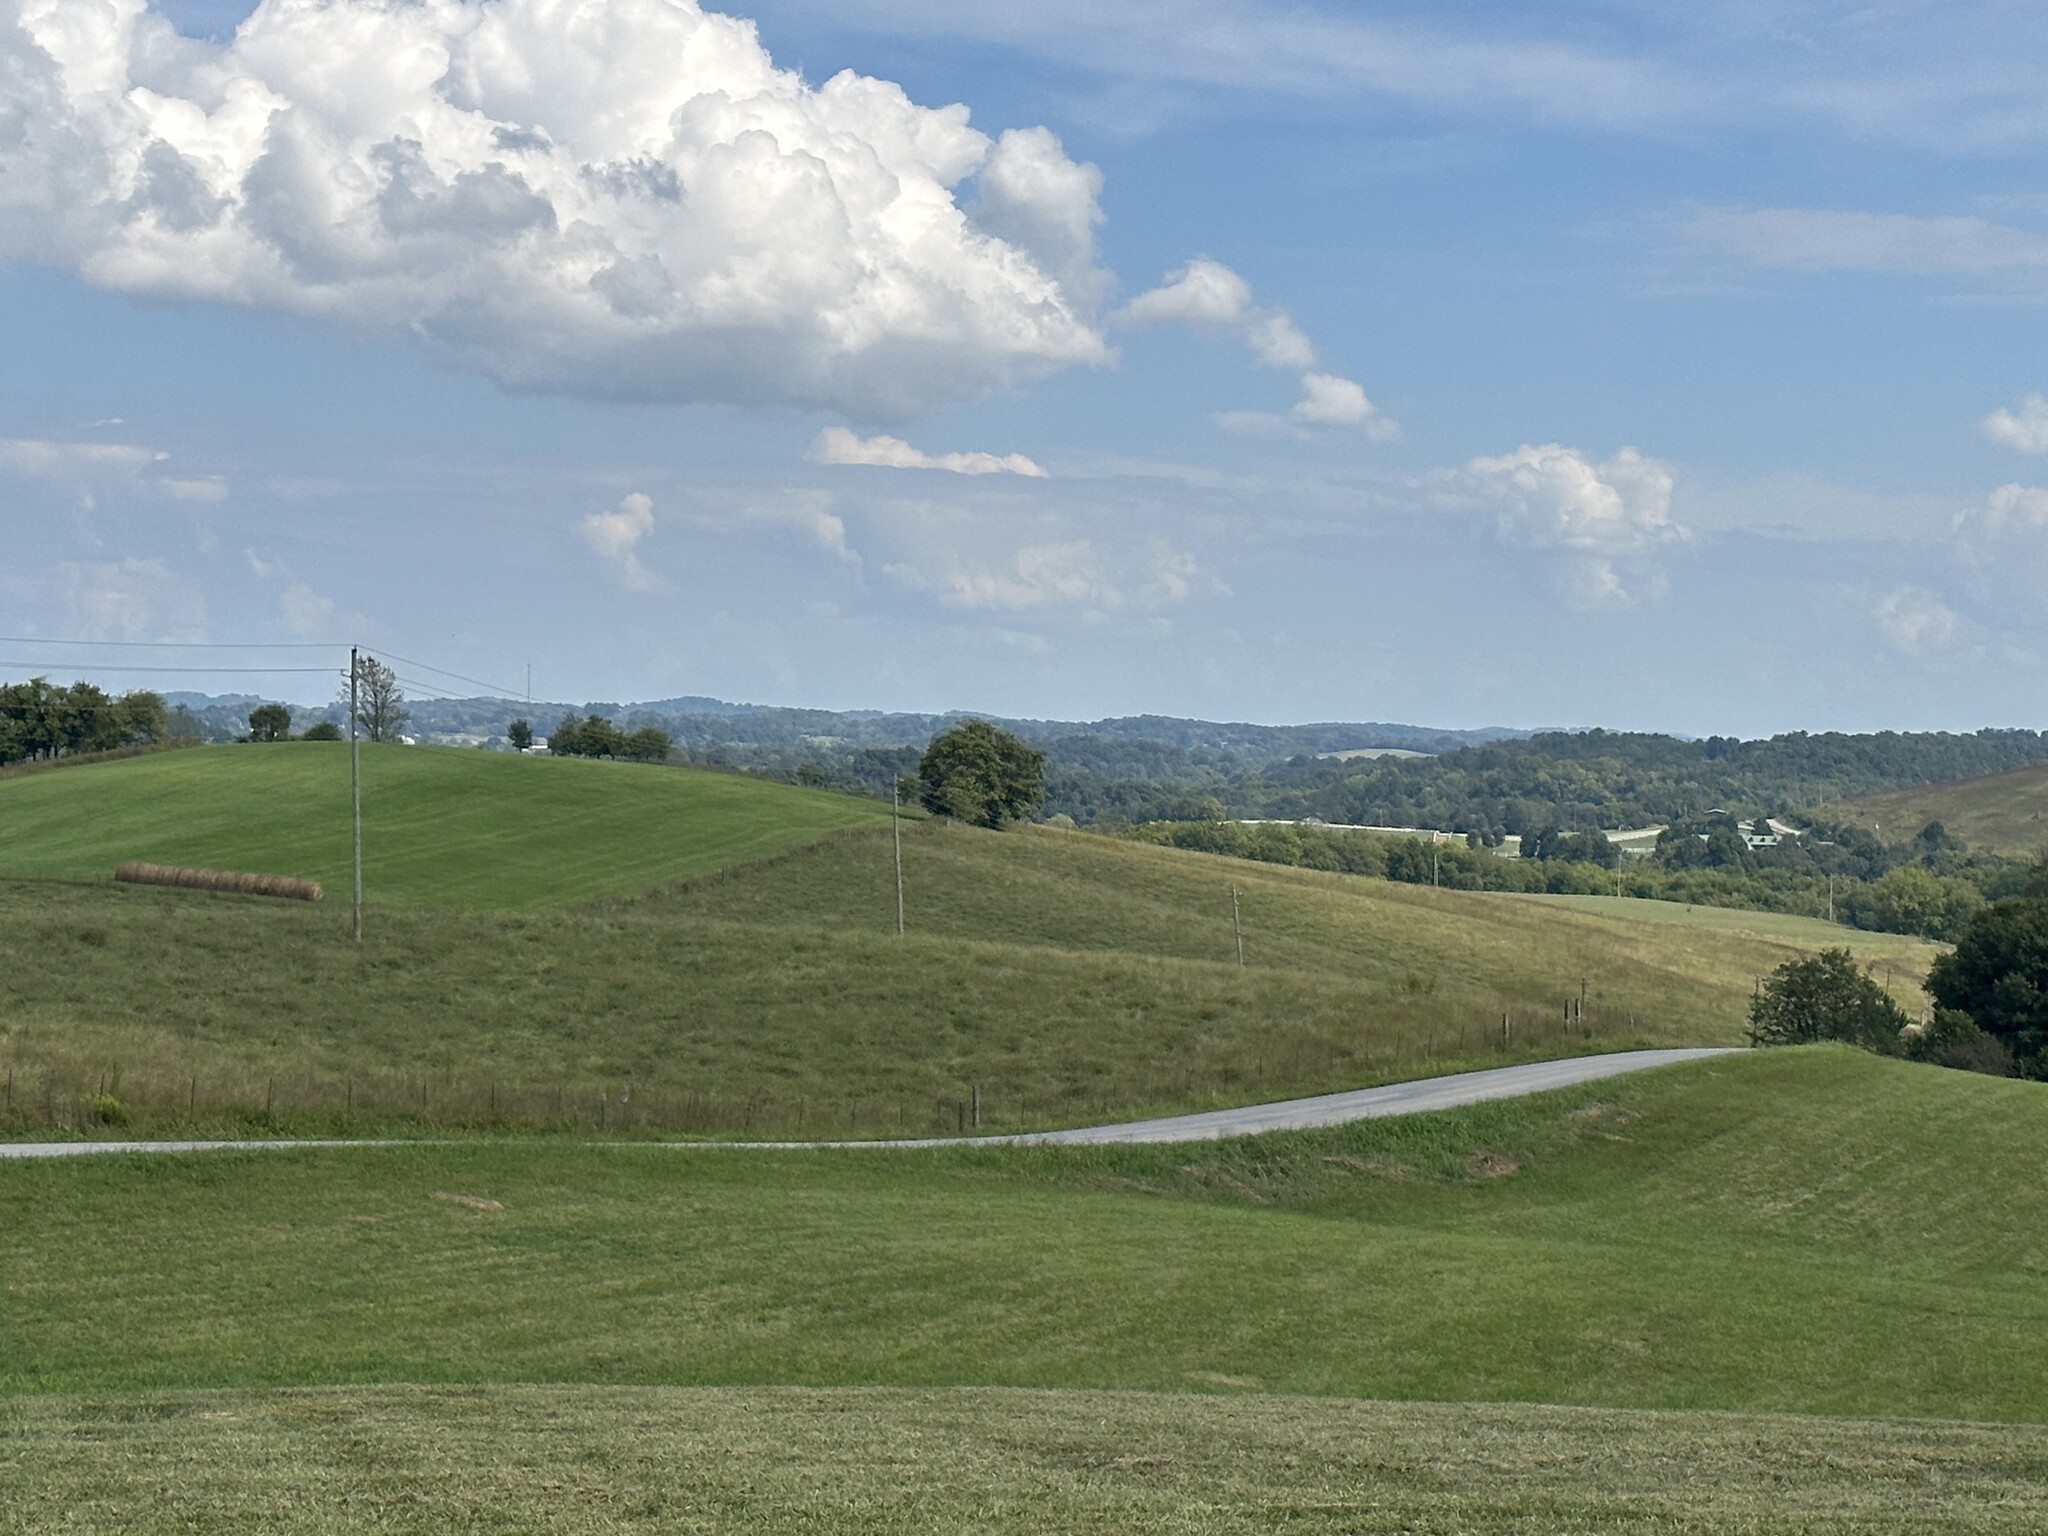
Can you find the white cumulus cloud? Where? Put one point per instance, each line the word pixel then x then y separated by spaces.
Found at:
pixel 1205 295
pixel 1606 518
pixel 836 445
pixel 617 198
pixel 1915 620
pixel 616 536
pixel 2024 430
pixel 2009 508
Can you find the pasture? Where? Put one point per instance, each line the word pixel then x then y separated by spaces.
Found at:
pixel 2001 812
pixel 442 827
pixel 1757 1293
pixel 1057 978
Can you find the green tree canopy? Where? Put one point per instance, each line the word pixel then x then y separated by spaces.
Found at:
pixel 977 773
pixel 39 719
pixel 520 734
pixel 648 744
pixel 270 722
pixel 1824 997
pixel 1998 975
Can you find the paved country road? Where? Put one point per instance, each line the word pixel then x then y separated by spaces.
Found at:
pixel 1288 1115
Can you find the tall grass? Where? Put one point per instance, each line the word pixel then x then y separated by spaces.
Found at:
pixel 1059 979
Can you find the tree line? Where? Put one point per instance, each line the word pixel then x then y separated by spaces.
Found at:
pixel 40 719
pixel 1930 885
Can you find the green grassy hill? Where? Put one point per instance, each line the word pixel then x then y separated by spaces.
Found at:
pixel 1065 977
pixel 1805 1232
pixel 441 827
pixel 2003 812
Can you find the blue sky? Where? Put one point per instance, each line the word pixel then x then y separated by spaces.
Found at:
pixel 1635 364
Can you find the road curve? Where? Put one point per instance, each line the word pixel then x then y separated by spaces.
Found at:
pixel 1413 1098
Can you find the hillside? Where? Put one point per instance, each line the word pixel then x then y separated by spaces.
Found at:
pixel 441 827
pixel 1059 977
pixel 1807 1231
pixel 2004 812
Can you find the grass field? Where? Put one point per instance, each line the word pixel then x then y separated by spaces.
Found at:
pixel 1066 977
pixel 2002 812
pixel 794 1462
pixel 1809 1232
pixel 441 827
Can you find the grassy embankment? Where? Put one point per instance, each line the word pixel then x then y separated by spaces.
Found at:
pixel 1066 977
pixel 1797 1232
pixel 2002 812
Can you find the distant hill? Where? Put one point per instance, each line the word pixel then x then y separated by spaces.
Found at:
pixel 2004 812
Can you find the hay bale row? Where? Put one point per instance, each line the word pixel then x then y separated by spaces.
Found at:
pixel 287 886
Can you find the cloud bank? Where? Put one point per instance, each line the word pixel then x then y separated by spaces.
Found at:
pixel 614 198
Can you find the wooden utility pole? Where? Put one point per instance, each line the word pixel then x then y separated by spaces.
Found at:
pixel 355 790
pixel 896 832
pixel 1236 927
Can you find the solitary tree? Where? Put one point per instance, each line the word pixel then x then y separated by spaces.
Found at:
pixel 270 722
pixel 980 774
pixel 1825 997
pixel 380 702
pixel 520 734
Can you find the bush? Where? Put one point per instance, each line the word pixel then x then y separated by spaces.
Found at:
pixel 1952 1039
pixel 1825 997
pixel 326 730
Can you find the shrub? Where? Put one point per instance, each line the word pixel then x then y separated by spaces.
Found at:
pixel 1952 1039
pixel 326 730
pixel 1824 997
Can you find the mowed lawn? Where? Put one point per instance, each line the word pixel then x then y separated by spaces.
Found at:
pixel 792 1461
pixel 441 826
pixel 1810 1231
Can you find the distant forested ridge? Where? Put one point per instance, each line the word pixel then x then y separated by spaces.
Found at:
pixel 1142 768
pixel 1582 781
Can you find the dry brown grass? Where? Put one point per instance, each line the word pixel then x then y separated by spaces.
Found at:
pixel 286 887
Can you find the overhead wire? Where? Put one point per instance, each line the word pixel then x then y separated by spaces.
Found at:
pixel 68 666
pixel 499 688
pixel 182 645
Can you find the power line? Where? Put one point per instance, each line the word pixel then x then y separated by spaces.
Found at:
pixel 420 687
pixel 498 688
pixel 68 666
pixel 181 645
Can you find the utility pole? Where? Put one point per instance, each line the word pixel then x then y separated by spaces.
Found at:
pixel 896 832
pixel 1236 927
pixel 355 789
